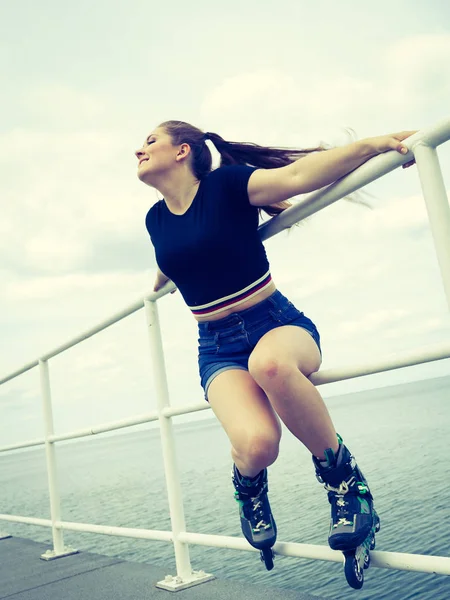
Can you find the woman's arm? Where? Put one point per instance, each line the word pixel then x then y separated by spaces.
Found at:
pixel 268 186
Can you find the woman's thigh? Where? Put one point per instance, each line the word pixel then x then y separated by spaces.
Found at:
pixel 285 347
pixel 244 410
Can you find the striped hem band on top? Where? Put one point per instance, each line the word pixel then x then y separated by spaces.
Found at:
pixel 222 304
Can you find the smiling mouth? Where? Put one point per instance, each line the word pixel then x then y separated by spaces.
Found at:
pixel 142 160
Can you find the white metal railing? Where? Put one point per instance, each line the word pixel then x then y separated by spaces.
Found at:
pixel 422 146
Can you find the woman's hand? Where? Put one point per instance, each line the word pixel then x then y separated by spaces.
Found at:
pixel 393 141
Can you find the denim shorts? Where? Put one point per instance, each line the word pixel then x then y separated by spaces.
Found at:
pixel 227 343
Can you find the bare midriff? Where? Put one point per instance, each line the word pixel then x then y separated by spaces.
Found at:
pixel 263 294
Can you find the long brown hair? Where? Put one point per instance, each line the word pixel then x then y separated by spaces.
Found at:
pixel 232 153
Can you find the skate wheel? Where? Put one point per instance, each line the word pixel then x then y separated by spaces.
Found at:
pixel 367 561
pixel 267 558
pixel 353 573
pixel 372 543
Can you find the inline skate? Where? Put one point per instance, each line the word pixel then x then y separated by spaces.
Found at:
pixel 257 522
pixel 354 521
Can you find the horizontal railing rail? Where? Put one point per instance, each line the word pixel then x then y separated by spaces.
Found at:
pixel 370 171
pixel 439 565
pixel 422 147
pixel 409 359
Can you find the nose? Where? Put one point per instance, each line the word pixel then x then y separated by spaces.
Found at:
pixel 139 153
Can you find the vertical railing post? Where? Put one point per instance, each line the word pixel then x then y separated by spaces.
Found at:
pixel 438 208
pixel 50 452
pixel 186 577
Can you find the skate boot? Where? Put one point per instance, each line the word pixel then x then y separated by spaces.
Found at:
pixel 257 522
pixel 353 518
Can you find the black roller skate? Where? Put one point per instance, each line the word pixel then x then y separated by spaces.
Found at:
pixel 354 520
pixel 257 522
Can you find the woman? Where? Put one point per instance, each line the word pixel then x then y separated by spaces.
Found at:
pixel 256 350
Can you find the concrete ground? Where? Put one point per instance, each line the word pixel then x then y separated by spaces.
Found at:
pixel 24 576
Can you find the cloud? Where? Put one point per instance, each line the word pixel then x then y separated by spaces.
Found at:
pixel 241 103
pixel 428 326
pixel 70 201
pixel 64 286
pixel 419 64
pixel 61 105
pixel 372 322
pixel 411 73
pixel 407 214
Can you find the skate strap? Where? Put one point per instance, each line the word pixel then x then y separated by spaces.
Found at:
pixel 330 457
pixel 341 490
pixel 261 525
pixel 361 488
pixel 246 481
pixel 257 508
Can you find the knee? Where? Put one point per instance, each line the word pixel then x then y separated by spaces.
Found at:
pixel 270 372
pixel 258 451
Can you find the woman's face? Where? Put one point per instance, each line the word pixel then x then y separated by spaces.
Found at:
pixel 157 156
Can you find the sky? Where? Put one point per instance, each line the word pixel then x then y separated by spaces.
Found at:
pixel 82 86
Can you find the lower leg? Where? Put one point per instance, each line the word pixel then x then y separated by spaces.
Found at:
pixel 301 408
pixel 248 419
pixel 251 462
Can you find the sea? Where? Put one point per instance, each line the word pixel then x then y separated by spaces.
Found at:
pixel 399 435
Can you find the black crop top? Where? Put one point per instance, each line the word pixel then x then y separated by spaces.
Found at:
pixel 213 252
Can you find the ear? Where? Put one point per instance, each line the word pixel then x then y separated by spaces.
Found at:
pixel 184 151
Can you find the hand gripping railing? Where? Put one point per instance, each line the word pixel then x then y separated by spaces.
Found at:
pixel 422 146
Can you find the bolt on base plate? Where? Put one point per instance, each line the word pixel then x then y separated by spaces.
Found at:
pixel 52 555
pixel 175 584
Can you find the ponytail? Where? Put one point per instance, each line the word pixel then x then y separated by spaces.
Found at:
pixel 262 157
pixel 233 153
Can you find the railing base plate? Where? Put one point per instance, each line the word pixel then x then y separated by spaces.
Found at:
pixel 52 555
pixel 175 584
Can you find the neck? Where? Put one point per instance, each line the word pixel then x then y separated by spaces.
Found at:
pixel 178 190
